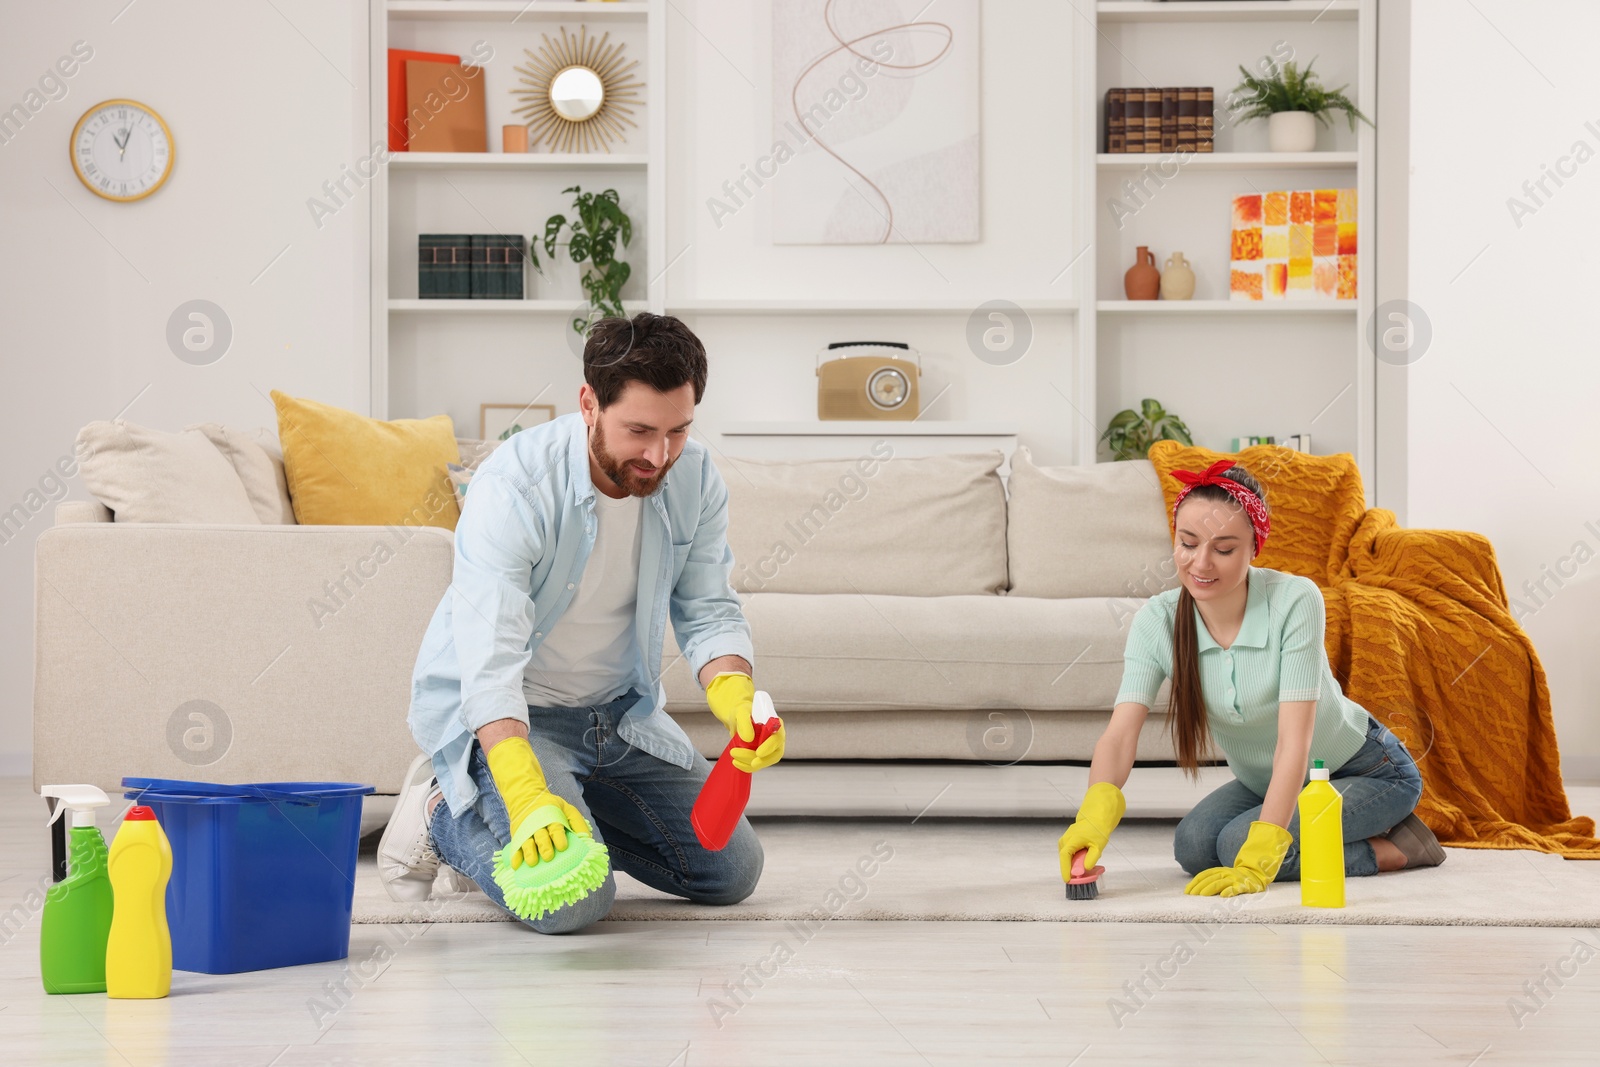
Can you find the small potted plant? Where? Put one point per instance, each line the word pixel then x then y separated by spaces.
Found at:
pixel 1293 102
pixel 598 223
pixel 1131 433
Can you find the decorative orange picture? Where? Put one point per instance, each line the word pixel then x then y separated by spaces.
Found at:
pixel 1294 245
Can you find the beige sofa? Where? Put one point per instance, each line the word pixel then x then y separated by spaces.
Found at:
pixel 902 608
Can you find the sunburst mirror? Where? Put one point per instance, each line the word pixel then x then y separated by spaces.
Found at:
pixel 579 93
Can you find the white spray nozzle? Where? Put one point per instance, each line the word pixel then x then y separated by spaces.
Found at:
pixel 761 708
pixel 81 799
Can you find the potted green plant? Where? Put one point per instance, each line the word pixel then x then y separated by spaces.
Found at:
pixel 1131 433
pixel 597 225
pixel 1293 102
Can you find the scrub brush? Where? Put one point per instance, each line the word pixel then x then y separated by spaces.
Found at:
pixel 1083 885
pixel 533 889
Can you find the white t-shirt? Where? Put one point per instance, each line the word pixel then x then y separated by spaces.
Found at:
pixel 588 657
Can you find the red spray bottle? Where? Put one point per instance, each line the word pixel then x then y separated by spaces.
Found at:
pixel 723 798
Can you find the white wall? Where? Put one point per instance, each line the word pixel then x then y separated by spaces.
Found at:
pixel 1500 407
pixel 264 107
pixel 720 122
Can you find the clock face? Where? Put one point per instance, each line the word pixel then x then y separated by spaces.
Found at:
pixel 888 388
pixel 122 150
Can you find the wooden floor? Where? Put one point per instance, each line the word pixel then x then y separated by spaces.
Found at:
pixel 755 993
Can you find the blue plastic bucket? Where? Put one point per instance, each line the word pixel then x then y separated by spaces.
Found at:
pixel 262 875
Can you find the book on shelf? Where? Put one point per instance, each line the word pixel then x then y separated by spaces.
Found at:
pixel 480 266
pixel 443 266
pixel 1169 120
pixel 1204 119
pixel 445 108
pixel 1300 442
pixel 398 129
pixel 1141 120
pixel 1186 118
pixel 1133 125
pixel 1116 121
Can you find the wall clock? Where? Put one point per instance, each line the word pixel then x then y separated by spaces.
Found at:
pixel 121 150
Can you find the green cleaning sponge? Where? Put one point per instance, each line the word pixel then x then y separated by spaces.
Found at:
pixel 533 889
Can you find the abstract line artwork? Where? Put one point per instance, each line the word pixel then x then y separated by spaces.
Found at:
pixel 875 122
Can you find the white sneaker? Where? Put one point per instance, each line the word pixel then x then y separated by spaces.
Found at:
pixel 407 860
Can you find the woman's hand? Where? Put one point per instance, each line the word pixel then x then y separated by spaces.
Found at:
pixel 1253 869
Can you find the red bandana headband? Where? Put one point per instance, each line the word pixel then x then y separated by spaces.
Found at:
pixel 1213 475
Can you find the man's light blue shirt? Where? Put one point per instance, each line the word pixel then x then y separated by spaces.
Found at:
pixel 525 534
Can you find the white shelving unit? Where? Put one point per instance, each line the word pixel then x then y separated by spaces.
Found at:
pixel 429 355
pixel 1304 366
pixel 765 311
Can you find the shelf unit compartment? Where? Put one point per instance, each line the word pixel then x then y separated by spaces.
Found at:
pixel 1211 53
pixel 464 30
pixel 1295 377
pixel 480 201
pixel 1191 213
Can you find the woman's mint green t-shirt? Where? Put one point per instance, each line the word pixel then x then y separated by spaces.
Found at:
pixel 1278 656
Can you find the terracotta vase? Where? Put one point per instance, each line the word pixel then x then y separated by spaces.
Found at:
pixel 1143 281
pixel 1177 281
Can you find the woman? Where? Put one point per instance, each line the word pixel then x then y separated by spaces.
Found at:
pixel 1244 649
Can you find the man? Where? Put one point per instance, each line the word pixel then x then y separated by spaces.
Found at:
pixel 538 680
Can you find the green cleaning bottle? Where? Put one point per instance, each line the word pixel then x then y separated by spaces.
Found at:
pixel 77 911
pixel 1321 842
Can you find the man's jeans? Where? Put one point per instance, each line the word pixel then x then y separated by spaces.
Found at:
pixel 1380 785
pixel 636 804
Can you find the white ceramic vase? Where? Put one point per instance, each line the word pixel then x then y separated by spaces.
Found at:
pixel 1292 131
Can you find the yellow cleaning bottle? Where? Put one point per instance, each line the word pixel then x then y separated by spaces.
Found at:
pixel 1321 842
pixel 139 950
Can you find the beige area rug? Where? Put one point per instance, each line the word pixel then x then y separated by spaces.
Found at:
pixel 1005 869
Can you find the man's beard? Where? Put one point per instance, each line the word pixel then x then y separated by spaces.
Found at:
pixel 623 474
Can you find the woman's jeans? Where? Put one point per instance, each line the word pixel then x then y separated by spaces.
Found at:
pixel 1380 785
pixel 635 803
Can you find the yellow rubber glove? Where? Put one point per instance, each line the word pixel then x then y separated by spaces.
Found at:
pixel 1102 808
pixel 770 751
pixel 730 696
pixel 1253 869
pixel 523 788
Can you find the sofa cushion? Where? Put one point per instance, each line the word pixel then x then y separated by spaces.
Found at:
pixel 345 469
pixel 146 475
pixel 924 526
pixel 258 462
pixel 1088 531
pixel 843 652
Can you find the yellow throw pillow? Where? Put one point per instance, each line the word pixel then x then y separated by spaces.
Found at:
pixel 345 469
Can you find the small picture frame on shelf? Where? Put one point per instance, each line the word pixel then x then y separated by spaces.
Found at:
pixel 496 422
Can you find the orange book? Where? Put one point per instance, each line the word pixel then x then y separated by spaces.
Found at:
pixel 445 108
pixel 397 91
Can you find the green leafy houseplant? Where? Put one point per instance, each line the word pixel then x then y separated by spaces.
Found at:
pixel 1131 433
pixel 1288 88
pixel 598 223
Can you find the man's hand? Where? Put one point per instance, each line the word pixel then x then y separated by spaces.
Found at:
pixel 731 697
pixel 522 786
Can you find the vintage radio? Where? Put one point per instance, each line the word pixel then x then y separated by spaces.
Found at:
pixel 868 380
